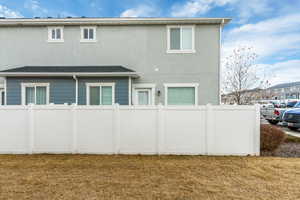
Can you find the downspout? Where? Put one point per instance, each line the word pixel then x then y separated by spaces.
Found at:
pixel 5 91
pixel 76 89
pixel 220 57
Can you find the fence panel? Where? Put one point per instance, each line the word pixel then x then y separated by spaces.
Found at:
pixel 52 130
pixel 95 130
pixel 14 130
pixel 184 131
pixel 138 131
pixel 200 130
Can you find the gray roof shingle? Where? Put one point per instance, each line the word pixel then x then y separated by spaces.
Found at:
pixel 69 69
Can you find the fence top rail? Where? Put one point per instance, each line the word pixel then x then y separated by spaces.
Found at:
pixel 126 107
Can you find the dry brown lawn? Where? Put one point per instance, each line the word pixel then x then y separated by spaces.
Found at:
pixel 148 177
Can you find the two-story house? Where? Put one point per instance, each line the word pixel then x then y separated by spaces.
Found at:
pixel 101 61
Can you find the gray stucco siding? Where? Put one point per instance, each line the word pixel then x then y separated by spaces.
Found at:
pixel 142 48
pixel 121 88
pixel 62 90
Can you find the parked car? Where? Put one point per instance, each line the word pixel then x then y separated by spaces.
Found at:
pixel 292 117
pixel 273 114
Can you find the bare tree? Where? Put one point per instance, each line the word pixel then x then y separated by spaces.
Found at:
pixel 240 73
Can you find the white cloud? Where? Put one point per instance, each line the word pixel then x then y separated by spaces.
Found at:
pixel 243 9
pixel 271 37
pixel 8 13
pixel 197 7
pixel 248 9
pixel 140 11
pixel 283 72
pixel 35 7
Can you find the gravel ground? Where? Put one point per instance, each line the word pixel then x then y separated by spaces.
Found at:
pixel 290 149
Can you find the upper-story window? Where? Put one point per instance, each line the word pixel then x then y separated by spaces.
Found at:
pixel 55 34
pixel 181 39
pixel 88 34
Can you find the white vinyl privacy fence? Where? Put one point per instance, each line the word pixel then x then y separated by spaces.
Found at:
pixel 203 130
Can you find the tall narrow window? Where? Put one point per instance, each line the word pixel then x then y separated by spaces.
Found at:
pixel 88 34
pixel 100 93
pixel 181 39
pixel 55 34
pixel 35 93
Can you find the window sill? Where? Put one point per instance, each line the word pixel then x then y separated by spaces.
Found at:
pixel 181 51
pixel 88 41
pixel 55 41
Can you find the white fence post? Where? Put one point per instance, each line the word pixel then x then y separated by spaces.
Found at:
pixel 31 128
pixel 117 136
pixel 209 133
pixel 256 134
pixel 74 128
pixel 160 129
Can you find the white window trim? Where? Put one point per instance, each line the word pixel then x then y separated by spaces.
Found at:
pixel 23 90
pixel 88 85
pixel 169 50
pixel 50 28
pixel 141 86
pixel 82 34
pixel 170 85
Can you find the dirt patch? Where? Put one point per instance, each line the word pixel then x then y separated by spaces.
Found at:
pixel 148 177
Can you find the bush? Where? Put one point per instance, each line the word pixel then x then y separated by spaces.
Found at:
pixel 270 137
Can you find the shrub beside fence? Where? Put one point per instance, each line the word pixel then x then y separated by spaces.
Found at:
pixel 199 130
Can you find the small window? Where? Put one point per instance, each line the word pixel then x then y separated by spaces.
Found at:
pixel 181 39
pixel 55 34
pixel 100 93
pixel 88 34
pixel 181 94
pixel 35 93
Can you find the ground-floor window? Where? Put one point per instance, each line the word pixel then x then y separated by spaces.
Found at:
pixel 100 93
pixel 181 94
pixel 2 97
pixel 143 94
pixel 35 93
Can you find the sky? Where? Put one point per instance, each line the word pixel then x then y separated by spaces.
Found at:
pixel 271 27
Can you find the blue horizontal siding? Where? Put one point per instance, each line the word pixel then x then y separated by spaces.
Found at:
pixel 62 89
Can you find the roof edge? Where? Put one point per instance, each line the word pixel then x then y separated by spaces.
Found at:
pixel 109 21
pixel 65 74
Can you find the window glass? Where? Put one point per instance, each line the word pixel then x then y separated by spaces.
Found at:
pixel 86 33
pixel 143 97
pixel 181 96
pixel 106 95
pixel 94 96
pixel 91 34
pixel 41 95
pixel 186 38
pixel 2 98
pixel 53 34
pixel 30 96
pixel 58 33
pixel 175 38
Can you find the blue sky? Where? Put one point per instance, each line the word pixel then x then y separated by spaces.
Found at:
pixel 271 27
